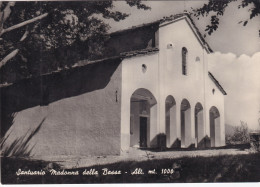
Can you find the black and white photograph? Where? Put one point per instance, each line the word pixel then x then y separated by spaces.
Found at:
pixel 130 91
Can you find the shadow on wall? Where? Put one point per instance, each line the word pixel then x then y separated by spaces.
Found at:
pixel 49 88
pixel 204 143
pixel 176 143
pixel 159 142
pixel 19 147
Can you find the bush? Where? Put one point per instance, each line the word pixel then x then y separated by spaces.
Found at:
pixel 228 139
pixel 240 135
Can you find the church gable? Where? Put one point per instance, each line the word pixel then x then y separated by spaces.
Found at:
pixel 180 33
pixel 192 27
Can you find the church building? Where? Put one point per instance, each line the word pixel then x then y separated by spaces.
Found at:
pixel 152 89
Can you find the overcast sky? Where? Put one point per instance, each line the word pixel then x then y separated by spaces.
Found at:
pixel 236 61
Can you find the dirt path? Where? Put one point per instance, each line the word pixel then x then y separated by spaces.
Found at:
pixel 135 154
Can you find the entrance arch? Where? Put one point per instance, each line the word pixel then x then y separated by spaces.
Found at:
pixel 185 123
pixel 214 118
pixel 199 125
pixel 170 121
pixel 143 119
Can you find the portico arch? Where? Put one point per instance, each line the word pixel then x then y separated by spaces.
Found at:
pixel 170 120
pixel 214 117
pixel 199 124
pixel 143 119
pixel 185 123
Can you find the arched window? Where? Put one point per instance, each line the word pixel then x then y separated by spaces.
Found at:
pixel 184 60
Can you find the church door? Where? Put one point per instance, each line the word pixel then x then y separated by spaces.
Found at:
pixel 143 132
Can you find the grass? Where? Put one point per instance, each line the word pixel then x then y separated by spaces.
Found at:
pixel 227 168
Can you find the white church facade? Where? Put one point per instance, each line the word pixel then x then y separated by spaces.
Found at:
pixel 154 92
pixel 171 92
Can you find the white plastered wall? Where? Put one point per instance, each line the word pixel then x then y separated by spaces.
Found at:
pixel 134 78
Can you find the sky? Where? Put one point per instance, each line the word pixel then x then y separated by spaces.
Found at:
pixel 236 58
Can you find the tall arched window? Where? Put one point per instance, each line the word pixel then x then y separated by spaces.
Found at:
pixel 184 52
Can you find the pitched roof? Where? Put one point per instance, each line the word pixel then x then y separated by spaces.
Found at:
pixel 217 83
pixel 139 52
pixel 82 63
pixel 171 19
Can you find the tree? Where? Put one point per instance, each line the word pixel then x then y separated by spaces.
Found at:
pixel 34 33
pixel 240 135
pixel 216 8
